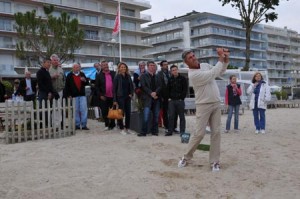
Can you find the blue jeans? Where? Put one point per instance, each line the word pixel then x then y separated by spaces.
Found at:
pixel 80 111
pixel 155 112
pixel 259 118
pixel 236 110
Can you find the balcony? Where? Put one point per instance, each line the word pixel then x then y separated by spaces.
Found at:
pixel 143 3
pixel 162 29
pixel 146 17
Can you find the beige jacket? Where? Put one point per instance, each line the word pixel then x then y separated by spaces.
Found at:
pixel 204 84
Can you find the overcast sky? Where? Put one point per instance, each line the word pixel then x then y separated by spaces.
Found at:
pixel 166 9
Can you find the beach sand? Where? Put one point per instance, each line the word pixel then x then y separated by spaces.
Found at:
pixel 98 164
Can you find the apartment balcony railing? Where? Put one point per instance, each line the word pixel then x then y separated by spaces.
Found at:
pixel 285 75
pixel 279 41
pixel 223 22
pixel 274 67
pixel 143 3
pixel 163 40
pixel 146 17
pixel 164 28
pixel 280 50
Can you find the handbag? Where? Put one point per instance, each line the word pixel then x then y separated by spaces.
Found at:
pixel 115 113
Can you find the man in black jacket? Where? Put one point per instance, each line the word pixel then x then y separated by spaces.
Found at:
pixel 46 91
pixel 27 87
pixel 177 89
pixel 164 77
pixel 151 87
pixel 44 82
pixel 75 88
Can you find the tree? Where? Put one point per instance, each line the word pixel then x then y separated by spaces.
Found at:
pixel 41 37
pixel 253 13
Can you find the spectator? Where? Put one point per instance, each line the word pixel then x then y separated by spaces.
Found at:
pixel 151 87
pixel 2 91
pixel 104 88
pixel 123 92
pixel 16 89
pixel 233 101
pixel 95 101
pixel 27 87
pixel 44 82
pixel 75 88
pixel 259 92
pixel 164 77
pixel 177 90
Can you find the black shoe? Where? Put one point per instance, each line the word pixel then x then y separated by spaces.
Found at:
pixel 155 134
pixel 85 128
pixel 168 134
pixel 77 127
pixel 141 134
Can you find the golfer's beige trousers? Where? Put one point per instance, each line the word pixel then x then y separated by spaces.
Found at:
pixel 206 114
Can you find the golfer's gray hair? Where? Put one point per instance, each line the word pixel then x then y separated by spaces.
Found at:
pixel 185 53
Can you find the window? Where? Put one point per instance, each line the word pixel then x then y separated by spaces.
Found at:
pixel 109 22
pixel 90 5
pixel 91 34
pixel 5 7
pixel 128 25
pixel 91 20
pixel 56 14
pixel 128 12
pixel 5 24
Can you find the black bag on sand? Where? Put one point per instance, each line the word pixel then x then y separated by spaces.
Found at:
pixel 185 137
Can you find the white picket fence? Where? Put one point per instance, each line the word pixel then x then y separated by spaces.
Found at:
pixel 23 122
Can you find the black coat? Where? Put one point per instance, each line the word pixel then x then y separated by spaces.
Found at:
pixel 233 100
pixel 71 89
pixel 177 88
pixel 101 85
pixel 2 92
pixel 164 85
pixel 95 101
pixel 22 87
pixel 146 88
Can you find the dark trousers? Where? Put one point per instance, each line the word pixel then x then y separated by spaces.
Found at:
pixel 29 97
pixel 44 97
pixel 125 104
pixel 105 105
pixel 176 106
pixel 164 107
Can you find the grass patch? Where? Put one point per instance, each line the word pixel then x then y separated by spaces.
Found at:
pixel 203 147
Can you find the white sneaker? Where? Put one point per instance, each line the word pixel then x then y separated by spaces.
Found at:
pixel 207 129
pixel 256 131
pixel 215 166
pixel 130 132
pixel 182 162
pixel 106 129
pixel 263 131
pixel 123 132
pixel 226 131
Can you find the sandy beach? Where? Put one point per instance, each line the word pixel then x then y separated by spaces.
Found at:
pixel 106 164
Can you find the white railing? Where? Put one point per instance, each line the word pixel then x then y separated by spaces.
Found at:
pixel 24 122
